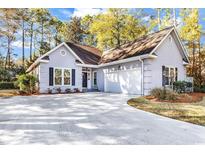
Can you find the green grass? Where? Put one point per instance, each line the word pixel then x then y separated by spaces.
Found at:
pixel 189 112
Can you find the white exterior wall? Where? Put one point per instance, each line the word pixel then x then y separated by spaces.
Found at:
pixel 168 54
pixel 60 61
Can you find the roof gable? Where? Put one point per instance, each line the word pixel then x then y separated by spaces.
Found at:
pixel 178 42
pixel 54 49
pixel 145 45
pixel 140 46
pixel 89 55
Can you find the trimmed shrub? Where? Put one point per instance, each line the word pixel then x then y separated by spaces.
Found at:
pixel 158 93
pixel 67 90
pixel 58 90
pixel 49 91
pixel 171 95
pixel 5 75
pixel 182 86
pixel 199 89
pixel 164 94
pixel 139 100
pixel 7 85
pixel 26 83
pixel 76 90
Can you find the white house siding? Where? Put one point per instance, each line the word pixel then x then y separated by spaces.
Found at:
pixel 168 54
pixel 60 61
pixel 126 67
pixel 147 76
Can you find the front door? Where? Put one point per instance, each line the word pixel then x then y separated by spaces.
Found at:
pixel 85 77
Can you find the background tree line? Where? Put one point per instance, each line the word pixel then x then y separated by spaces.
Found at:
pixel 41 31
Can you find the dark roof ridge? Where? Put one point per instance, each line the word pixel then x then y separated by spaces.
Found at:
pixel 85 53
pixel 98 53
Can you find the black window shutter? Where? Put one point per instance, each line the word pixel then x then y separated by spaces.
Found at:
pixel 50 76
pixel 176 75
pixel 163 76
pixel 73 77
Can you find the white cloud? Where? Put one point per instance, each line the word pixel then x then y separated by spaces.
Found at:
pixel 66 12
pixel 146 18
pixel 81 12
pixel 18 44
pixel 179 20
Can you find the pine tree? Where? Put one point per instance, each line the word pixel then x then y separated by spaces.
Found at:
pixel 190 33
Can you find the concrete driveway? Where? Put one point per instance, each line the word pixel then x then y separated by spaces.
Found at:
pixel 89 118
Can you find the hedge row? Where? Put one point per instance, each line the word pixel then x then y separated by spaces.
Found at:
pixel 200 89
pixel 7 85
pixel 182 86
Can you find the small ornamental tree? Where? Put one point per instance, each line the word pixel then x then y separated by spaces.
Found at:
pixel 26 83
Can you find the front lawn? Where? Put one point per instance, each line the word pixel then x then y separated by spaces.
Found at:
pixel 190 112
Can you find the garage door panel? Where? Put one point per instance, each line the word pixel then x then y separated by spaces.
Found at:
pixel 128 82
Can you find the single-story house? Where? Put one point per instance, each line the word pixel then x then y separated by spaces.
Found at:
pixel 136 67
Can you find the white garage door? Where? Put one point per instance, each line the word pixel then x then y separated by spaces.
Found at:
pixel 128 82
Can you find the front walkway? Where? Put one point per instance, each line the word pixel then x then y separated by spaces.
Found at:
pixel 89 118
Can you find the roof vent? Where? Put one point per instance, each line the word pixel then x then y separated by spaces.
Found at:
pixel 63 53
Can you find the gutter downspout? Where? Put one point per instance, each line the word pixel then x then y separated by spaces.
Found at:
pixel 142 76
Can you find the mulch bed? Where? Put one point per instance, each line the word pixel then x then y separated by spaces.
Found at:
pixel 183 98
pixel 197 96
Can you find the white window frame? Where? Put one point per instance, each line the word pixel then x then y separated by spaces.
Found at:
pixel 94 77
pixel 62 76
pixel 170 67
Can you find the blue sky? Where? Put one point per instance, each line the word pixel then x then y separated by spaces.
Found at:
pixel 65 14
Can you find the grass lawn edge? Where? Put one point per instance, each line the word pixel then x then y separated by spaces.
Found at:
pixel 188 112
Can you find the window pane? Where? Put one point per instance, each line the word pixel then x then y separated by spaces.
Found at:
pixel 167 71
pixel 95 78
pixel 172 76
pixel 166 80
pixel 166 76
pixel 172 72
pixel 66 77
pixel 58 76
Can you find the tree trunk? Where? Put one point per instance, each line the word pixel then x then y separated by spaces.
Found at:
pixel 174 17
pixel 193 58
pixel 23 41
pixel 7 55
pixel 31 40
pixel 118 35
pixel 118 40
pixel 199 63
pixel 56 38
pixel 42 31
pixel 158 19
